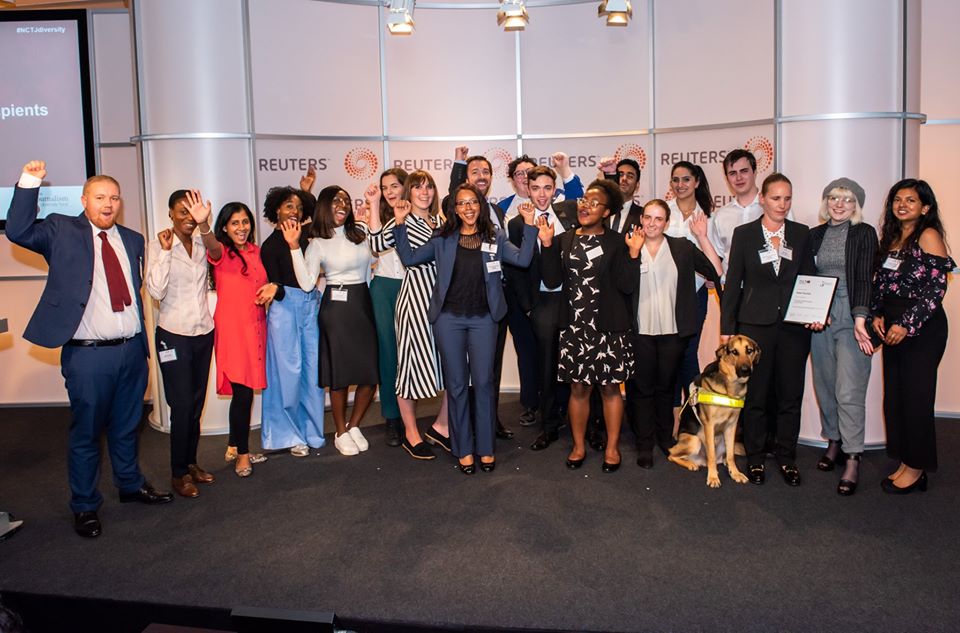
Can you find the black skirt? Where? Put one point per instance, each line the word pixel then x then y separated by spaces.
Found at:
pixel 348 339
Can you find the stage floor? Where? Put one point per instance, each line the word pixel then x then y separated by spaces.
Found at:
pixel 382 537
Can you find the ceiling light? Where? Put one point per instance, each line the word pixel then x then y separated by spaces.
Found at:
pixel 513 15
pixel 400 17
pixel 617 12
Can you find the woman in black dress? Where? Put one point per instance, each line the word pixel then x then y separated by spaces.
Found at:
pixel 598 270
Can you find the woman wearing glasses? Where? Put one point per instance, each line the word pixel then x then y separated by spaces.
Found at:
pixel 348 336
pixel 465 305
pixel 597 270
pixel 418 363
pixel 843 247
pixel 766 256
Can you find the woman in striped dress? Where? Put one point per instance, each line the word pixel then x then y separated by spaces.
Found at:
pixel 418 363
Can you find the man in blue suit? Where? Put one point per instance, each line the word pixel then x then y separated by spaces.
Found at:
pixel 91 306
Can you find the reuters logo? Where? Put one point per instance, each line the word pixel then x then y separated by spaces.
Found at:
pixel 669 195
pixel 762 150
pixel 499 160
pixel 631 150
pixel 361 163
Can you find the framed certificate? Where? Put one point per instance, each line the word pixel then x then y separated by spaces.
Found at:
pixel 811 299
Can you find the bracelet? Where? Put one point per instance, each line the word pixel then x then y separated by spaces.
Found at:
pixel 208 232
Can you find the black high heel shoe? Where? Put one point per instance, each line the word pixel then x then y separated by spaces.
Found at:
pixel 826 463
pixel 920 484
pixel 468 469
pixel 487 467
pixel 847 487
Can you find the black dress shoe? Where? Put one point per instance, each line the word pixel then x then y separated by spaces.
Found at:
pixel 544 440
pixel 87 524
pixel 847 487
pixel 433 437
pixel 394 428
pixel 756 473
pixel 528 417
pixel 147 494
pixel 574 464
pixel 420 451
pixel 503 433
pixel 645 460
pixel 791 474
pixel 610 468
pixel 488 467
pixel 889 487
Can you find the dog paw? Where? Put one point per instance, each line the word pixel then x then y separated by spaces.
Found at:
pixel 693 468
pixel 713 481
pixel 738 477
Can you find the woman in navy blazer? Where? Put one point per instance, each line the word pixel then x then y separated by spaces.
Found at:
pixel 465 306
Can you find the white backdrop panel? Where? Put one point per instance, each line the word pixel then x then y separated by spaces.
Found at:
pixel 828 66
pixel 437 158
pixel 114 89
pixel 122 164
pixel 714 61
pixel 580 75
pixel 707 148
pixel 31 374
pixel 180 94
pixel 939 165
pixel 301 83
pixel 585 155
pixel 454 76
pixel 940 90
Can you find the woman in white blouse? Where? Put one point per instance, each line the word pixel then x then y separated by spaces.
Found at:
pixel 348 336
pixel 664 306
pixel 177 279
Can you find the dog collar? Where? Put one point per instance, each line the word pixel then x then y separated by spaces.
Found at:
pixel 708 397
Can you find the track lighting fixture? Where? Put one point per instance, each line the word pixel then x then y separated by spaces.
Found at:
pixel 513 15
pixel 617 12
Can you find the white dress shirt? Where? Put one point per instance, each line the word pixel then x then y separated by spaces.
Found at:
pixel 344 263
pixel 99 320
pixel 179 282
pixel 389 265
pixel 657 298
pixel 725 219
pixel 558 230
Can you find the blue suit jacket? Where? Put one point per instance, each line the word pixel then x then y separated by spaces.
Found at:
pixel 571 191
pixel 67 244
pixel 443 250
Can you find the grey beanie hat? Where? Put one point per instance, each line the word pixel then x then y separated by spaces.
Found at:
pixel 850 185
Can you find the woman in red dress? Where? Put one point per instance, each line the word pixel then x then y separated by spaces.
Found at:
pixel 240 325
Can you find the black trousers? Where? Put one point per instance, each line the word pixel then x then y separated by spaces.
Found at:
pixel 240 406
pixel 909 392
pixel 185 388
pixel 651 390
pixel 554 395
pixel 784 348
pixel 525 344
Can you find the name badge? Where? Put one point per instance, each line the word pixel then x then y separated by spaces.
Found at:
pixel 594 253
pixel 644 268
pixel 494 266
pixel 487 247
pixel 167 355
pixel 786 253
pixel 768 256
pixel 892 263
pixel 338 294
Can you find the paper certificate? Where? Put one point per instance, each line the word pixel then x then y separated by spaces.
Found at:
pixel 811 299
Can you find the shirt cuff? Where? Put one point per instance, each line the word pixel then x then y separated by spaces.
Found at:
pixel 570 179
pixel 28 181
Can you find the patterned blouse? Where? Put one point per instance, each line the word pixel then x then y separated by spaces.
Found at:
pixel 921 278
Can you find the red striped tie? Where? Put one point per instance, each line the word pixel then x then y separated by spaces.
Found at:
pixel 116 284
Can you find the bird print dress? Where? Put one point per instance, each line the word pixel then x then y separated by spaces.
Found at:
pixel 588 355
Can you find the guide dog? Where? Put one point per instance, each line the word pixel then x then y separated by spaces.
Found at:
pixel 708 420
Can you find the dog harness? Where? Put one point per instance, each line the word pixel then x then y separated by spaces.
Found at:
pixel 699 395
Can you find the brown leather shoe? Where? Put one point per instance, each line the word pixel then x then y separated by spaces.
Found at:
pixel 184 486
pixel 199 475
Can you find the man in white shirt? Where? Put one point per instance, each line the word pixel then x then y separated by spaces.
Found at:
pixel 740 169
pixel 91 306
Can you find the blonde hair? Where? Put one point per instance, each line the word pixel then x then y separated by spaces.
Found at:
pixel 99 178
pixel 855 218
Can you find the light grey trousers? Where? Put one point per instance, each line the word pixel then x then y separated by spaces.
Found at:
pixel 841 372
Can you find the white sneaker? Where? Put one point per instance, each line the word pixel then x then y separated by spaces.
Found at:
pixel 345 444
pixel 358 438
pixel 300 450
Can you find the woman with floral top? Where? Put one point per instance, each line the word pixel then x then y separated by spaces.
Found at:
pixel 908 290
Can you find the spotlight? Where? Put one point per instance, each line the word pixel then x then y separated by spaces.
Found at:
pixel 618 12
pixel 400 17
pixel 513 15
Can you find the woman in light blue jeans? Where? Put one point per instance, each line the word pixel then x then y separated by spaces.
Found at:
pixel 843 247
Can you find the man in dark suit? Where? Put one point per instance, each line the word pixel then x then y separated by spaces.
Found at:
pixel 540 304
pixel 91 306
pixel 626 173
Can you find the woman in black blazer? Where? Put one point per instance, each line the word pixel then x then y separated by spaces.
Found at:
pixel 665 309
pixel 843 247
pixel 598 269
pixel 766 256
